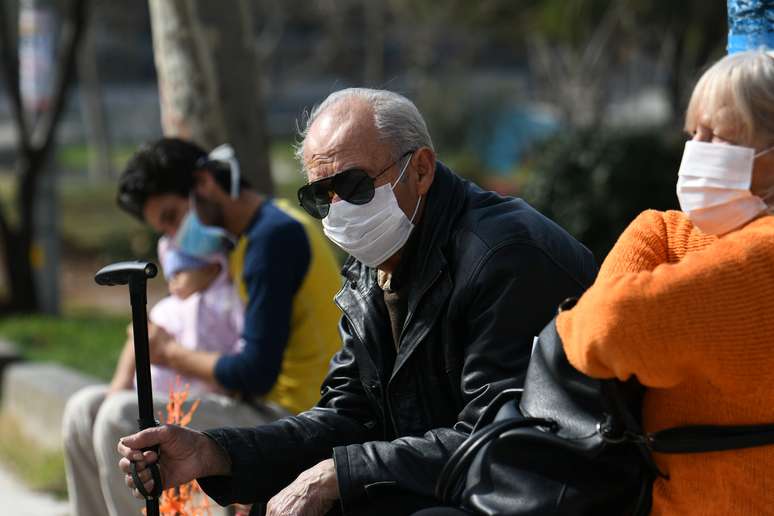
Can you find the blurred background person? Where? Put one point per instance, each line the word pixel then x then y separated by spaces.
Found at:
pixel 279 261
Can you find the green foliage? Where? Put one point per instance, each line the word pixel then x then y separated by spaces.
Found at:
pixel 75 157
pixel 595 182
pixel 567 21
pixel 573 21
pixel 87 343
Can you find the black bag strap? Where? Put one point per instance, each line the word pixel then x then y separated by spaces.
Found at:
pixel 686 439
pixel 630 428
pixel 491 411
pixel 710 438
pixel 458 463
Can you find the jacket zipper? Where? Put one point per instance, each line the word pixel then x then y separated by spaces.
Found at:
pixel 382 392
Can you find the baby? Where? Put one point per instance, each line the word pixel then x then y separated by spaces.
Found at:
pixel 203 313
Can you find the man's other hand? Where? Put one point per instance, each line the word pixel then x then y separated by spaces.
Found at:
pixel 313 493
pixel 185 455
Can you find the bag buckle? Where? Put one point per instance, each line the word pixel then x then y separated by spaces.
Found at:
pixel 609 435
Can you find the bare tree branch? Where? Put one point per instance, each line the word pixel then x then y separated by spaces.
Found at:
pixel 42 138
pixel 11 77
pixel 573 79
pixel 73 28
pixel 35 146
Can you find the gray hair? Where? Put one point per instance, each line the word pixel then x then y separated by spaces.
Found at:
pixel 396 118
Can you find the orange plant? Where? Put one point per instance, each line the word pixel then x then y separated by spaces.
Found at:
pixel 187 499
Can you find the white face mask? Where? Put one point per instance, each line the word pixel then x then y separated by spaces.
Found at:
pixel 713 186
pixel 374 231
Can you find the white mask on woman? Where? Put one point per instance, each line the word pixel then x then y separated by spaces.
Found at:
pixel 713 186
pixel 374 231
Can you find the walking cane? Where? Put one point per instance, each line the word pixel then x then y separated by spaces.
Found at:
pixel 136 275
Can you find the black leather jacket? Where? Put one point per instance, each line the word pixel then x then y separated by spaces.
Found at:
pixel 487 274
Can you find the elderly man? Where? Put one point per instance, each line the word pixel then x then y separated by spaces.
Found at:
pixel 444 290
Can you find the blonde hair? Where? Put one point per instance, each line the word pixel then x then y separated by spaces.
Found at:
pixel 743 84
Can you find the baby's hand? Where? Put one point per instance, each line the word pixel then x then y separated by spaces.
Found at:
pixel 160 342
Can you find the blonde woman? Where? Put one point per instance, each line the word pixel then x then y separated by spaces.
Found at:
pixel 685 300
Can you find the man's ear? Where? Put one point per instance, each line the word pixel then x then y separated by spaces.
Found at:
pixel 424 167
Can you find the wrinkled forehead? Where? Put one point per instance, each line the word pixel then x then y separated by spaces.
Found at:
pixel 341 137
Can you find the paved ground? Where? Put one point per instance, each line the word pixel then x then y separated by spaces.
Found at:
pixel 20 501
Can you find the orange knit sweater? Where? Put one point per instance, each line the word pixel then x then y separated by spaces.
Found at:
pixel 692 317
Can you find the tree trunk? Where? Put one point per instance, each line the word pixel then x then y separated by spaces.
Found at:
pixel 34 149
pixel 208 79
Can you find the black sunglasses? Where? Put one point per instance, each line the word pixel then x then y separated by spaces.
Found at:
pixel 353 185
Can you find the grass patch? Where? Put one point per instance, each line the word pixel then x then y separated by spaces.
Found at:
pixel 87 343
pixel 41 470
pixel 75 157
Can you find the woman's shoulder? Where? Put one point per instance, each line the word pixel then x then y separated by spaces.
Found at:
pixel 655 224
pixel 669 220
pixel 661 222
pixel 671 231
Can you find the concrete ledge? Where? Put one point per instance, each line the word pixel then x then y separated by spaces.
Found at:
pixel 34 394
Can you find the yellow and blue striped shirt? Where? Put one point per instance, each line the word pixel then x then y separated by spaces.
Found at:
pixel 287 275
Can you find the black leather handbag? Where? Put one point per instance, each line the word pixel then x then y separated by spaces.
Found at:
pixel 568 445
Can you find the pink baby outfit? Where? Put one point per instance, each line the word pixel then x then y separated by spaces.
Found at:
pixel 211 320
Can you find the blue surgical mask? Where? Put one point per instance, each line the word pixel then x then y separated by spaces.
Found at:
pixel 197 239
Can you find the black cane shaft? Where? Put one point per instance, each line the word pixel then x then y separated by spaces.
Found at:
pixel 136 275
pixel 142 368
pixel 141 355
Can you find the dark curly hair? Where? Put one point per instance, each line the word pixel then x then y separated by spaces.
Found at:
pixel 165 166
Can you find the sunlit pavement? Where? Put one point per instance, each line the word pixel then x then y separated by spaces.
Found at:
pixel 18 500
